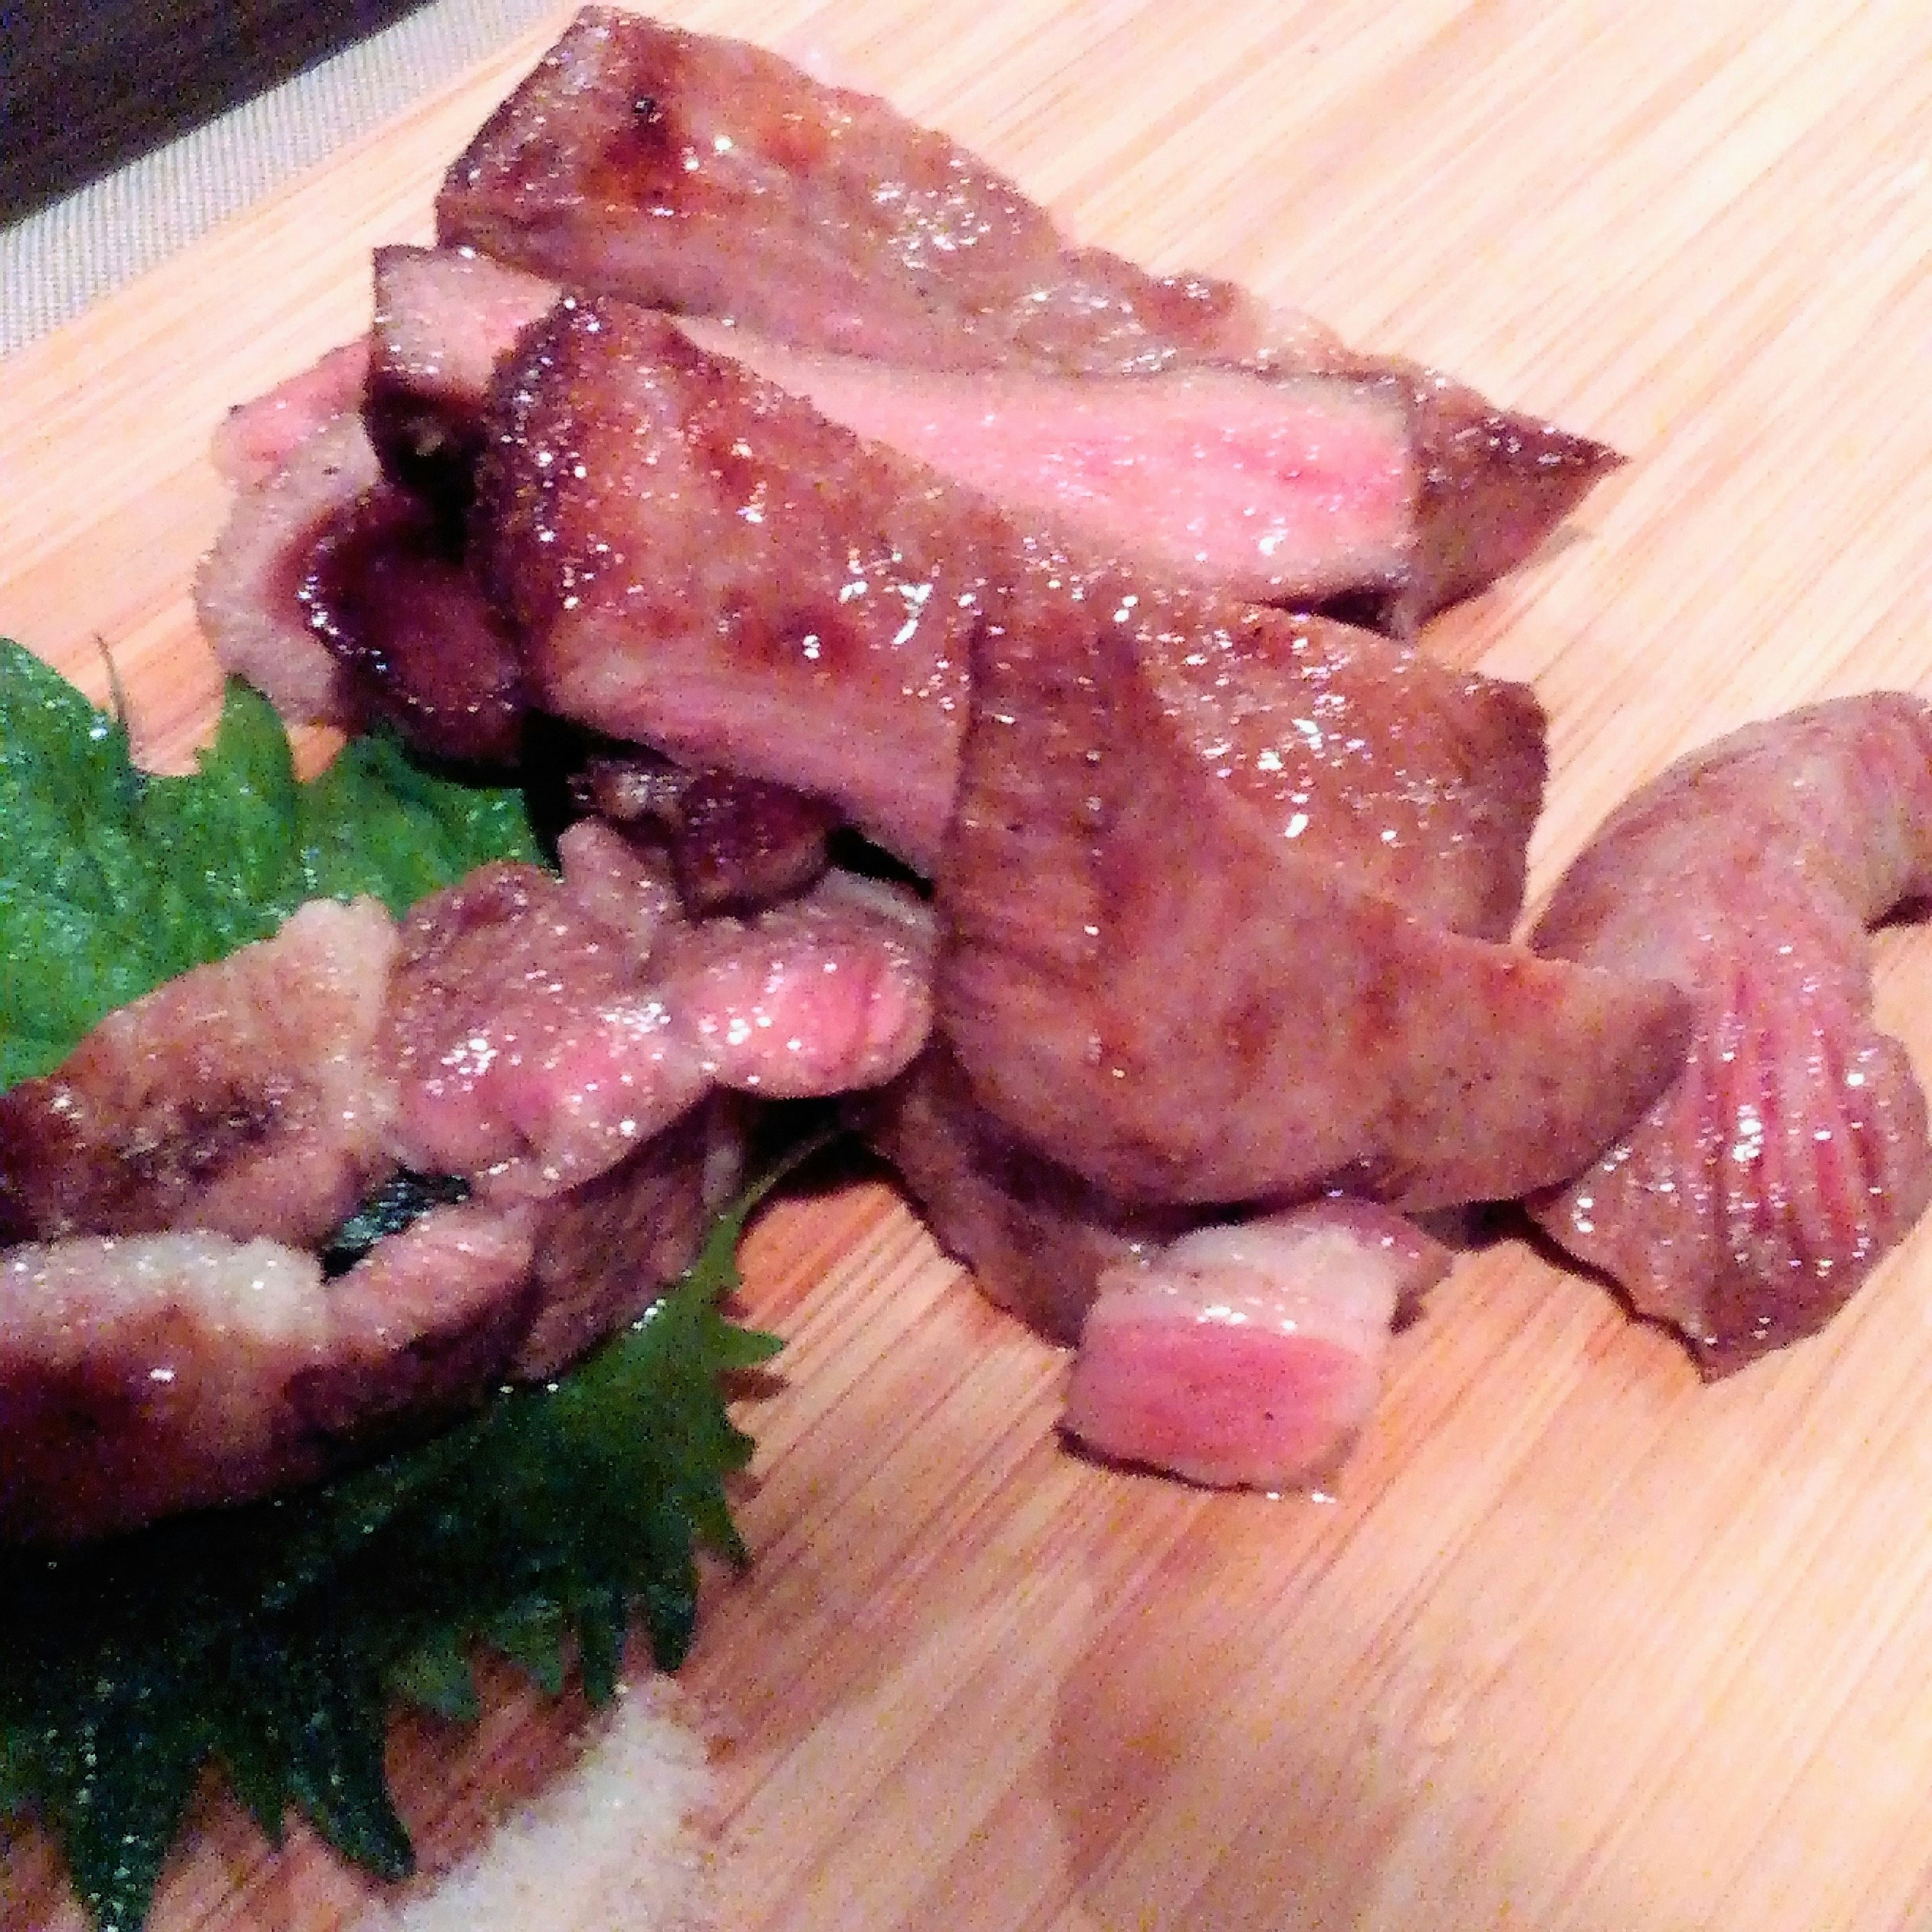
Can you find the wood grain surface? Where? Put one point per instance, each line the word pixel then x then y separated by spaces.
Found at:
pixel 1577 1643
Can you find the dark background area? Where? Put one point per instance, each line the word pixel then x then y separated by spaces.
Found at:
pixel 86 84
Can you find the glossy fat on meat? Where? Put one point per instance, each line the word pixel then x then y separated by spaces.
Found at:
pixel 698 559
pixel 694 560
pixel 1757 1194
pixel 383 588
pixel 256 438
pixel 248 589
pixel 1184 1007
pixel 706 175
pixel 1386 488
pixel 539 1033
pixel 145 1374
pixel 1037 1236
pixel 1248 1355
pixel 247 1097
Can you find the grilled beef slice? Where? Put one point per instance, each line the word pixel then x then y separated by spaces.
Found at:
pixel 1791 1153
pixel 696 559
pixel 1184 1006
pixel 710 178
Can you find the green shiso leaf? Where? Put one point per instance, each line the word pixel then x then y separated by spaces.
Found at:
pixel 113 880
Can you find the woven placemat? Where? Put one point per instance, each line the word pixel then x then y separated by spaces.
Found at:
pixel 53 263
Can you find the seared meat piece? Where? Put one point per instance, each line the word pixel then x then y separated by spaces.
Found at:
pixel 1791 1153
pixel 256 438
pixel 707 176
pixel 710 178
pixel 384 589
pixel 1383 487
pixel 695 559
pixel 1037 1237
pixel 1386 770
pixel 1295 488
pixel 443 317
pixel 605 1251
pixel 248 591
pixel 247 1097
pixel 734 844
pixel 143 1375
pixel 1248 1355
pixel 1152 988
pixel 539 1033
pixel 531 1049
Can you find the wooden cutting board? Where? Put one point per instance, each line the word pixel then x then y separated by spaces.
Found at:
pixel 1577 1643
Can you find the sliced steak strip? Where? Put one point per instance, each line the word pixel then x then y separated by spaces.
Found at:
pixel 696 559
pixel 710 178
pixel 1389 490
pixel 706 175
pixel 1248 1355
pixel 1150 987
pixel 247 1097
pixel 1792 1153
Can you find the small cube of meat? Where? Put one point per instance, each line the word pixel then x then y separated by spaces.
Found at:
pixel 1248 1355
